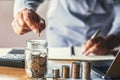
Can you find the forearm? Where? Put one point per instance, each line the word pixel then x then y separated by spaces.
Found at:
pixel 115 30
pixel 30 4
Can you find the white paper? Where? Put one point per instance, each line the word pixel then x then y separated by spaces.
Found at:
pixel 64 53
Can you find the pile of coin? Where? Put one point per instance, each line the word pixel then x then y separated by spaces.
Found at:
pixel 36 66
pixel 65 71
pixel 86 70
pixel 55 72
pixel 75 70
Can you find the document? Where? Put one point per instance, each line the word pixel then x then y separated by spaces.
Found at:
pixel 66 53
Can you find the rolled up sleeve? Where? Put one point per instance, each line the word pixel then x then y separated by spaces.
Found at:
pixel 30 4
pixel 116 23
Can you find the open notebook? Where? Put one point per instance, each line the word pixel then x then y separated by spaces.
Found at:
pixel 75 53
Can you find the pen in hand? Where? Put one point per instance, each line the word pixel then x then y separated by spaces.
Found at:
pixel 95 34
pixel 92 37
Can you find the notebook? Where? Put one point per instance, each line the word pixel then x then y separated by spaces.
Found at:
pixel 113 70
pixel 74 54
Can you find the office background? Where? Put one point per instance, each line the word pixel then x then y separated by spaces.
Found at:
pixel 8 38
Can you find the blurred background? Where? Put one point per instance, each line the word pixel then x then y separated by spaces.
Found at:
pixel 8 38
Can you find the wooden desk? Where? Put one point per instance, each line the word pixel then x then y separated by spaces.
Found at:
pixel 8 73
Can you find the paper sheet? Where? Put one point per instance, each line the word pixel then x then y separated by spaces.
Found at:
pixel 65 54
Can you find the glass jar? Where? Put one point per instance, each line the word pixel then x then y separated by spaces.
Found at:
pixel 36 58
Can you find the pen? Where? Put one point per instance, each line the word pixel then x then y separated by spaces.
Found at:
pixel 72 51
pixel 95 34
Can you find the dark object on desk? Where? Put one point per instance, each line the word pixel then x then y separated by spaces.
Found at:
pixel 14 58
pixel 72 51
pixel 113 70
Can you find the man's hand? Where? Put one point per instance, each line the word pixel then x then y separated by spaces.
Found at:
pixel 101 46
pixel 27 20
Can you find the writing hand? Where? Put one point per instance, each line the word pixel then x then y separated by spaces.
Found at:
pixel 101 46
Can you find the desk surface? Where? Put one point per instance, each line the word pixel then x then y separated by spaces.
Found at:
pixel 7 73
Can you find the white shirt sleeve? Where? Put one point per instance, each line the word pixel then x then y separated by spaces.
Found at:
pixel 30 4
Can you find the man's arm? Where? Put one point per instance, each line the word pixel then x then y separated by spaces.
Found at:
pixel 25 17
pixel 30 4
pixel 116 23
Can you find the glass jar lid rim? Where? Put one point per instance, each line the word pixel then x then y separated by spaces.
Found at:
pixel 36 42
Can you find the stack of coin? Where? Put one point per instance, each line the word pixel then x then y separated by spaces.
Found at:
pixel 65 71
pixel 55 72
pixel 75 71
pixel 85 71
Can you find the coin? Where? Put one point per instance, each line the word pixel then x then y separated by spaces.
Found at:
pixel 35 66
pixel 42 69
pixel 35 59
pixel 42 60
pixel 36 74
pixel 43 54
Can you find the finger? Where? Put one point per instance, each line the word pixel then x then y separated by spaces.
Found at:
pixel 42 25
pixel 16 26
pixel 88 45
pixel 91 50
pixel 22 22
pixel 96 49
pixel 18 29
pixel 31 20
pixel 97 40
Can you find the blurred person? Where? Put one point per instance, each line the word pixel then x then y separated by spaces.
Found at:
pixel 72 23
